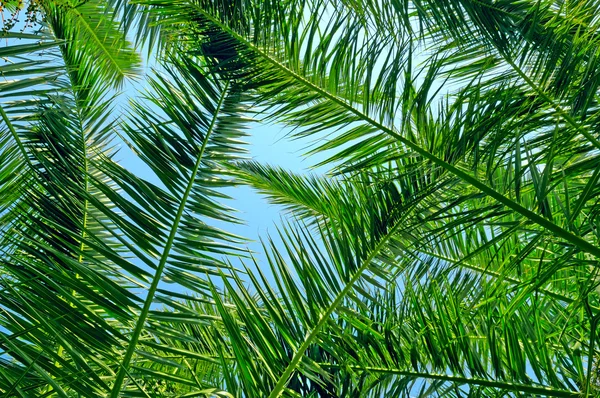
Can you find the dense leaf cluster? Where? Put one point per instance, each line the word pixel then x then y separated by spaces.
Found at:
pixel 449 248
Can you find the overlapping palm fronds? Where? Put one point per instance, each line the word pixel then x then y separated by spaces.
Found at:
pixel 59 288
pixel 501 167
pixel 81 234
pixel 449 249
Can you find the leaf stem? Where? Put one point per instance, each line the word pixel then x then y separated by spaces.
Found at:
pixel 310 337
pixel 165 256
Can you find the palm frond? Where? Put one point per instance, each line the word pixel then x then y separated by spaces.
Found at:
pixel 90 25
pixel 201 126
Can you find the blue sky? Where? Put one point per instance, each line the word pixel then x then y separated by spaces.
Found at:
pixel 268 144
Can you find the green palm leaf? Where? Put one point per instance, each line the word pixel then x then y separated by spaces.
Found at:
pixel 201 128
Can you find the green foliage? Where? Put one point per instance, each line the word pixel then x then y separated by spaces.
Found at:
pixel 449 249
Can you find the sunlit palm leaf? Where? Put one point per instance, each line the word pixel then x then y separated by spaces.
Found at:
pixel 201 126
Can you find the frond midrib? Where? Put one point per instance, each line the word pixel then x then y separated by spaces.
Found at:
pixel 123 369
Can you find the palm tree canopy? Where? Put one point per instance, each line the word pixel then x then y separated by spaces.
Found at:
pixel 447 246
